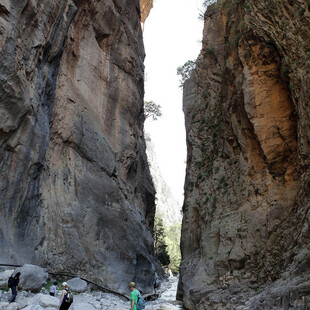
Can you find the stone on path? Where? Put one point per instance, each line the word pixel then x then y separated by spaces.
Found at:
pixel 82 306
pixel 48 301
pixel 77 285
pixel 4 277
pixel 32 277
pixel 34 307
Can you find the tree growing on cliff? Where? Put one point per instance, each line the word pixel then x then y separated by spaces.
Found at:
pixel 160 245
pixel 185 71
pixel 151 109
pixel 173 243
pixel 205 5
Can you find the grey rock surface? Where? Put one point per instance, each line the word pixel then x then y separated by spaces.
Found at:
pixel 47 301
pixel 82 306
pixel 75 189
pixel 4 277
pixel 77 285
pixel 32 278
pixel 166 203
pixel 245 236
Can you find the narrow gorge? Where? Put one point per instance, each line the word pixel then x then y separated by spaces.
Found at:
pixel 76 192
pixel 245 237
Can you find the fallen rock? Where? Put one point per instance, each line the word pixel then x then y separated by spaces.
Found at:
pixel 77 285
pixel 34 307
pixel 48 301
pixel 82 306
pixel 4 277
pixel 12 306
pixel 32 278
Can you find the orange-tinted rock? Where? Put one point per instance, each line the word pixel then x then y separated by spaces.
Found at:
pixel 146 6
pixel 246 218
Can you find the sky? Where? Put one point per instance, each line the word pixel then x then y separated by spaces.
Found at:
pixel 172 36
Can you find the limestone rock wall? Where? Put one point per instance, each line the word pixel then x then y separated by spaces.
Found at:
pixel 245 238
pixel 75 189
pixel 167 204
pixel 146 6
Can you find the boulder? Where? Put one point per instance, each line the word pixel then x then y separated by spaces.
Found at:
pixel 82 306
pixel 4 277
pixel 12 306
pixel 34 307
pixel 77 285
pixel 32 277
pixel 48 301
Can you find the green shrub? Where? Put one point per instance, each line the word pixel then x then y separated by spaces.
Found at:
pixel 209 51
pixel 285 72
pixel 302 11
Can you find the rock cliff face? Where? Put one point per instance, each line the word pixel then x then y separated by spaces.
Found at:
pixel 146 6
pixel 75 189
pixel 166 204
pixel 245 238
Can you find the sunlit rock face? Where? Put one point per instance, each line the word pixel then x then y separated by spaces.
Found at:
pixel 245 238
pixel 75 189
pixel 146 6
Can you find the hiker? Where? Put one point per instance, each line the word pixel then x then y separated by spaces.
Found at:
pixel 156 285
pixel 136 300
pixel 13 285
pixel 66 298
pixel 53 289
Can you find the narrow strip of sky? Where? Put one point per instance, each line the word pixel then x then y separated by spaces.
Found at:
pixel 172 35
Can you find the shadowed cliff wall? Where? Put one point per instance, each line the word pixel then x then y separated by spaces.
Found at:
pixel 75 190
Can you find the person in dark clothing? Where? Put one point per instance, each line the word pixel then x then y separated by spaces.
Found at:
pixel 64 305
pixel 14 287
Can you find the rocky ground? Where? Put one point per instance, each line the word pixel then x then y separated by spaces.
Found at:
pixel 89 300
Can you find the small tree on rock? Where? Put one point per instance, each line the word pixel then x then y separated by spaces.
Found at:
pixel 151 109
pixel 160 245
pixel 185 71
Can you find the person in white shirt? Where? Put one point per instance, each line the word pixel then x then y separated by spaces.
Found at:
pixel 53 289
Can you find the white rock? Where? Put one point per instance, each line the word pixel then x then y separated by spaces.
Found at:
pixel 4 277
pixel 12 306
pixel 33 307
pixel 77 285
pixel 48 301
pixel 82 306
pixel 32 277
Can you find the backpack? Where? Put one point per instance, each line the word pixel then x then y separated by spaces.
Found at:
pixel 69 297
pixel 140 302
pixel 157 283
pixel 11 282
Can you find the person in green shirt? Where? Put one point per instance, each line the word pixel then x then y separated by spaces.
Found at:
pixel 133 296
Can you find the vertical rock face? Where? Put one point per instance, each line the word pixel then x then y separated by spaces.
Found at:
pixel 146 6
pixel 75 190
pixel 245 238
pixel 166 203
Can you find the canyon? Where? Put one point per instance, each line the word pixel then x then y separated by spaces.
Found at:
pixel 245 235
pixel 76 190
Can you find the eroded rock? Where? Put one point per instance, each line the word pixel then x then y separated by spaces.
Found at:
pixel 75 187
pixel 32 278
pixel 77 285
pixel 246 209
